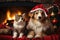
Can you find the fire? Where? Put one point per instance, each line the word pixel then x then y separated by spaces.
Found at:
pixel 4 21
pixel 10 16
pixel 19 13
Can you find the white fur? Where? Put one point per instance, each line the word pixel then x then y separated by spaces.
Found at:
pixel 38 15
pixel 37 36
pixel 36 25
pixel 29 36
pixel 18 25
pixel 20 35
pixel 14 34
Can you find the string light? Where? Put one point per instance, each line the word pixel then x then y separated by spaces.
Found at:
pixel 54 20
pixel 52 14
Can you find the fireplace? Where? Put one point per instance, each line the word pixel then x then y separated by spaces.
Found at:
pixel 8 13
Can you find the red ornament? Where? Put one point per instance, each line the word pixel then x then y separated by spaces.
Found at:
pixel 55 20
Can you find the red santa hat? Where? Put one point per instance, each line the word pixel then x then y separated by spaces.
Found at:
pixel 39 7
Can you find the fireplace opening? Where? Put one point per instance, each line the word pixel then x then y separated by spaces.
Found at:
pixel 8 13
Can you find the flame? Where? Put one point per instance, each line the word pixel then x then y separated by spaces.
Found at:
pixel 4 21
pixel 19 13
pixel 10 16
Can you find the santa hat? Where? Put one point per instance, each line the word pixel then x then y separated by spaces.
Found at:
pixel 39 7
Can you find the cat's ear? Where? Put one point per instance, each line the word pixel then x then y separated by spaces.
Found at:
pixel 23 14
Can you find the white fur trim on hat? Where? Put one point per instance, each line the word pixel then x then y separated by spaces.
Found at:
pixel 39 9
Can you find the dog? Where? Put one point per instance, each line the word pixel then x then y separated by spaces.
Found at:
pixel 38 23
pixel 18 25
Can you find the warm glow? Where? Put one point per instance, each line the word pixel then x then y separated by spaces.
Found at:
pixel 52 14
pixel 10 16
pixel 54 20
pixel 19 13
pixel 4 21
